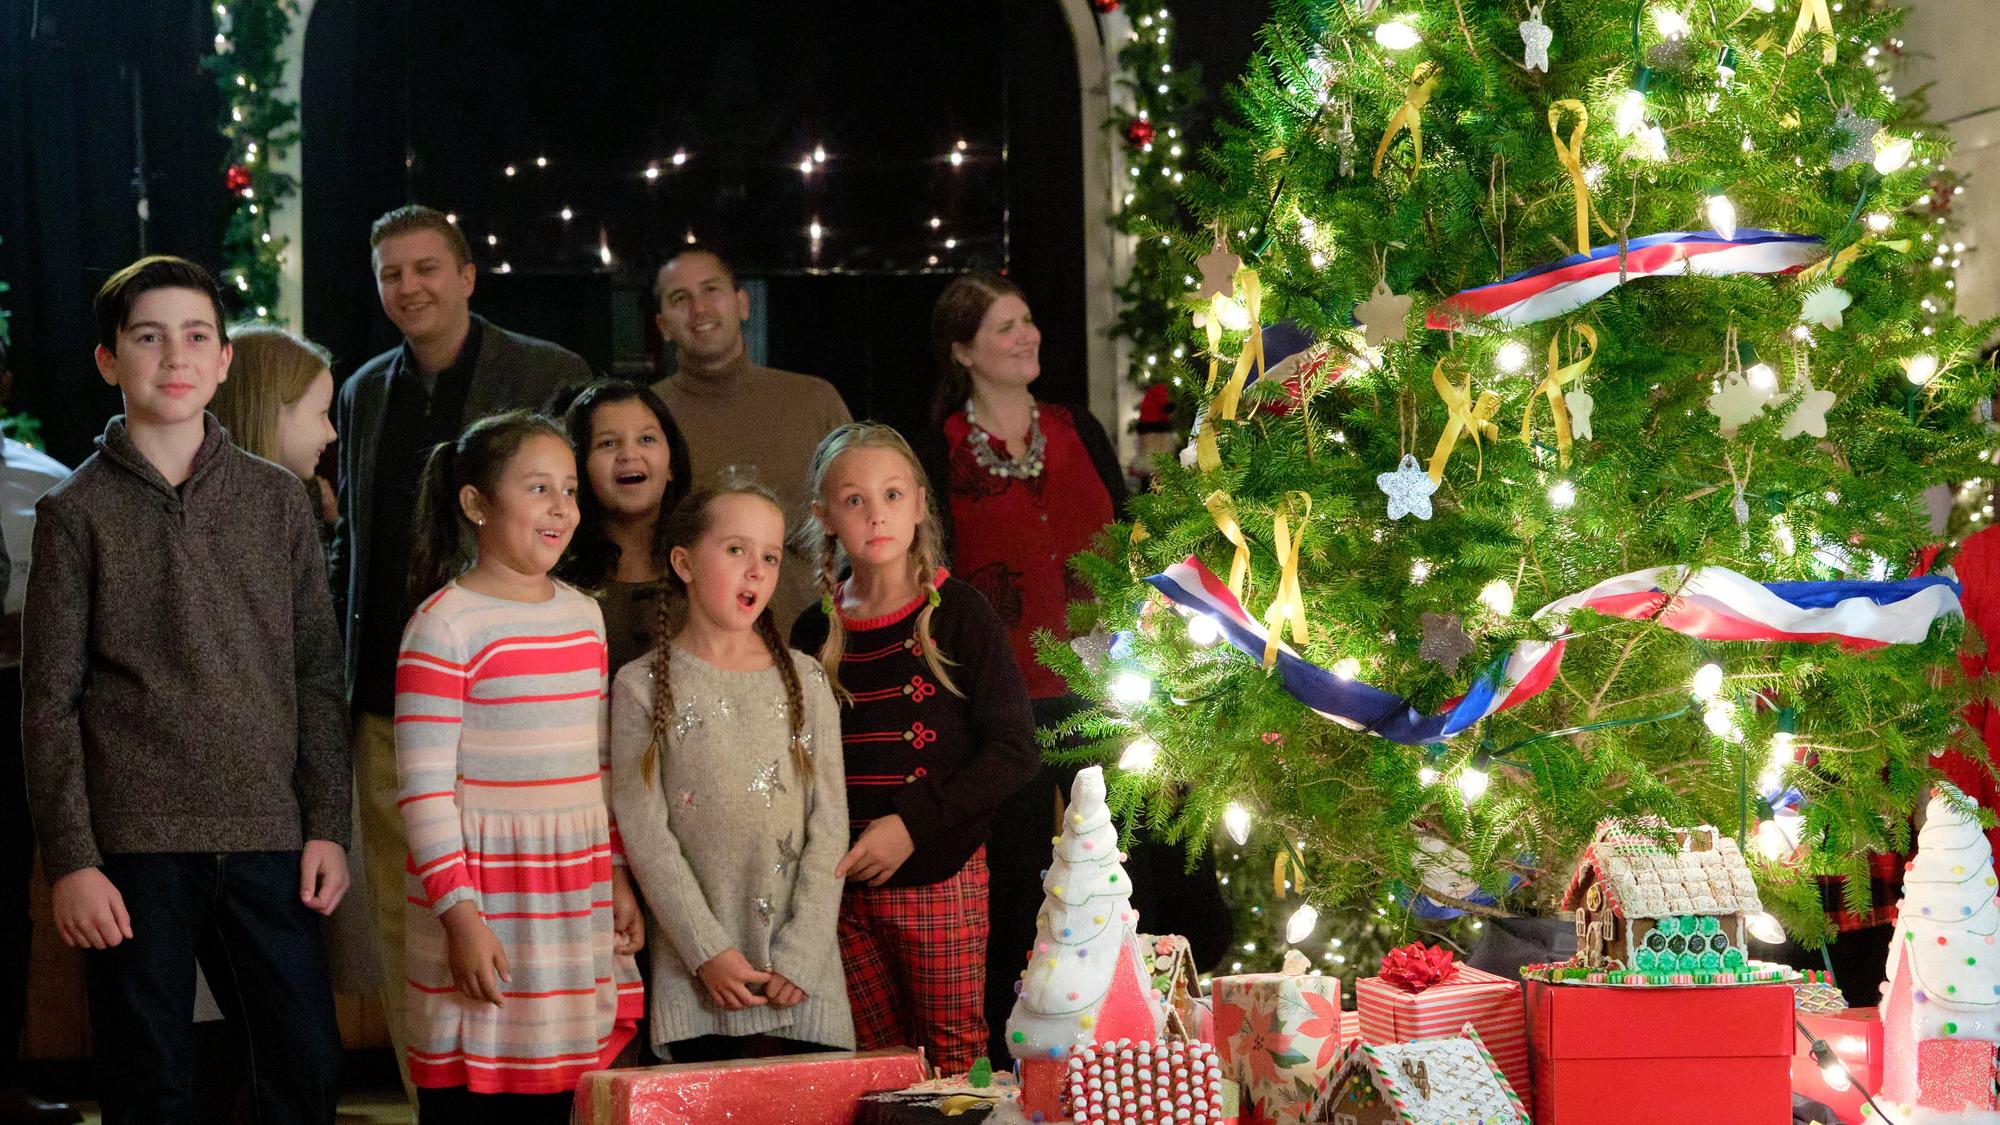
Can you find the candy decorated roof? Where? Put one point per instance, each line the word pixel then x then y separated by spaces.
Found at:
pixel 1445 1081
pixel 1651 871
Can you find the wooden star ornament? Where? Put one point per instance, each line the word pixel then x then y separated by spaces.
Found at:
pixel 1736 403
pixel 1808 415
pixel 1384 316
pixel 1218 271
pixel 1824 305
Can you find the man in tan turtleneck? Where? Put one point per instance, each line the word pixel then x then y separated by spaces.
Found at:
pixel 732 412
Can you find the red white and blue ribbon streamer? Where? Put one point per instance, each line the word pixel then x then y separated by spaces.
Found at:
pixel 1714 603
pixel 1556 288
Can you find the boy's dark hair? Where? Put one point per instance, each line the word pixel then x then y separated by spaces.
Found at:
pixel 592 555
pixel 679 252
pixel 112 308
pixel 415 217
pixel 441 543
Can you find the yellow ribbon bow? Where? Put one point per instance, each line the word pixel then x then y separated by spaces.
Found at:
pixel 1423 81
pixel 1224 510
pixel 1813 16
pixel 1837 265
pixel 1558 376
pixel 1462 417
pixel 1222 408
pixel 1290 604
pixel 1571 156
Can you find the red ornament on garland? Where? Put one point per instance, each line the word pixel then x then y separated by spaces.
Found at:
pixel 1139 132
pixel 1104 7
pixel 238 178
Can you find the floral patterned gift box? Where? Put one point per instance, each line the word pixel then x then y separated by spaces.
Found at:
pixel 1279 1035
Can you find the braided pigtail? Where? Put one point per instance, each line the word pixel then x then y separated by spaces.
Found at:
pixel 836 629
pixel 795 699
pixel 663 683
pixel 921 556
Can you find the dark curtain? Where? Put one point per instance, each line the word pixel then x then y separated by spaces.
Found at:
pixel 81 82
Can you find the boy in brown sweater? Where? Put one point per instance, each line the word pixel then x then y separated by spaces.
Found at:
pixel 183 725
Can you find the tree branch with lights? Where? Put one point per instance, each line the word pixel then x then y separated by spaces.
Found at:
pixel 261 126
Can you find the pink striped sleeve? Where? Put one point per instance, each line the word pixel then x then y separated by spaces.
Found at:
pixel 431 684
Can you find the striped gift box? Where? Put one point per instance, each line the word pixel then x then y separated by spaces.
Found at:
pixel 1489 1003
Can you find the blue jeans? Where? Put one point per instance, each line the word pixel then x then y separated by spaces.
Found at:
pixel 240 916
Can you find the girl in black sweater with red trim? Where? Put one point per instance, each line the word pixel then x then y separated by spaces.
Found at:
pixel 937 731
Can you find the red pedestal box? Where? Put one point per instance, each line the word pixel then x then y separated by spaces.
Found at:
pixel 822 1089
pixel 1856 1038
pixel 1719 1055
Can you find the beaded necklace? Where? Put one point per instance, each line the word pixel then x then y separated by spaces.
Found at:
pixel 1025 467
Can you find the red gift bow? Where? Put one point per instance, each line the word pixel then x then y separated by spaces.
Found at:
pixel 1415 967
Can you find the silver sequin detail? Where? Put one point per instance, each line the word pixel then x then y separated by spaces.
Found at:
pixel 763 905
pixel 782 710
pixel 788 857
pixel 724 709
pixel 686 720
pixel 768 783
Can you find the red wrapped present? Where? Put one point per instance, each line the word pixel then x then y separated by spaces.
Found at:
pixel 1451 998
pixel 820 1089
pixel 1856 1038
pixel 1717 1054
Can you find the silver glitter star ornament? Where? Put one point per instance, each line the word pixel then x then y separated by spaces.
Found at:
pixel 1860 132
pixel 1409 489
pixel 1536 36
pixel 1445 642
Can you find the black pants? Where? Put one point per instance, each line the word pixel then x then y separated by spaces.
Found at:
pixel 239 914
pixel 17 865
pixel 456 1105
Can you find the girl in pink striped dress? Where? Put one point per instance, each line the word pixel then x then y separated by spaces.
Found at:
pixel 522 923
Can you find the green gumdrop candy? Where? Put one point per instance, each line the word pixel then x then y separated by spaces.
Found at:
pixel 981 1075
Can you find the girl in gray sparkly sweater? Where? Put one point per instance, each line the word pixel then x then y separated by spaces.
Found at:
pixel 729 793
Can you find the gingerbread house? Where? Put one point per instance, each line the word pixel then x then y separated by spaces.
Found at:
pixel 1653 898
pixel 1451 1080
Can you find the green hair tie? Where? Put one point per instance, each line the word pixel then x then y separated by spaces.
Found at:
pixel 936 598
pixel 826 604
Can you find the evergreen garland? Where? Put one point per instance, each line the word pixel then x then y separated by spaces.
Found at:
pixel 1654 486
pixel 261 127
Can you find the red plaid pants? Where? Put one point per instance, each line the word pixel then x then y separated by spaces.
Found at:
pixel 916 965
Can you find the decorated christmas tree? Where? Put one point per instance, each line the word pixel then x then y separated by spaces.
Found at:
pixel 1600 487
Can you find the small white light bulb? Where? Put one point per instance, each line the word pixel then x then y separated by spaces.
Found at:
pixel 1835 1076
pixel 1139 755
pixel 680 157
pixel 1720 718
pixel 1427 776
pixel 1766 929
pixel 1920 369
pixel 1512 356
pixel 1472 782
pixel 1497 596
pixel 1562 495
pixel 1721 214
pixel 1203 629
pixel 1672 24
pixel 1420 570
pixel 1301 925
pixel 1346 668
pixel 1879 221
pixel 1707 681
pixel 1233 315
pixel 1763 377
pixel 1631 111
pixel 1397 35
pixel 1236 819
pixel 1131 687
pixel 1891 154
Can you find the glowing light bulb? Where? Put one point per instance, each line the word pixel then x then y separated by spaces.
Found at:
pixel 680 157
pixel 815 230
pixel 1472 782
pixel 1397 35
pixel 1721 214
pixel 568 214
pixel 1891 154
pixel 1764 5
pixel 1707 681
pixel 1427 776
pixel 1420 569
pixel 1512 356
pixel 1346 668
pixel 1131 687
pixel 1878 221
pixel 1719 718
pixel 819 155
pixel 1301 924
pixel 1203 629
pixel 1920 369
pixel 1763 378
pixel 1631 112
pixel 1671 23
pixel 1236 820
pixel 1233 315
pixel 1835 1076
pixel 1497 596
pixel 1766 929
pixel 1562 494
pixel 1139 755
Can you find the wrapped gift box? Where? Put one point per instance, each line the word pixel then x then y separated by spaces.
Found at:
pixel 1720 1055
pixel 819 1089
pixel 1489 1003
pixel 1278 1035
pixel 1856 1038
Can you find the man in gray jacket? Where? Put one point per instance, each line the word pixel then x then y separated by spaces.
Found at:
pixel 452 369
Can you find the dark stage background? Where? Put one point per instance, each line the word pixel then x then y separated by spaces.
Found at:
pixel 430 102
